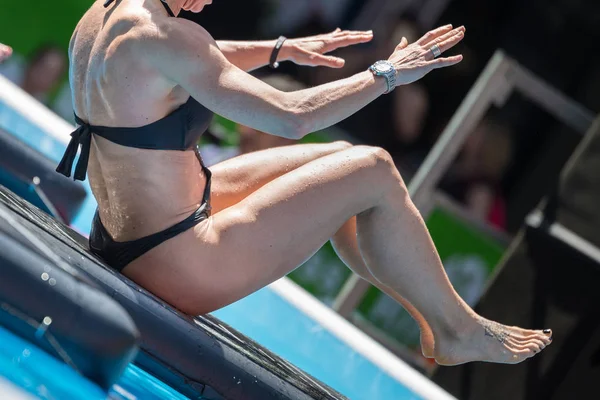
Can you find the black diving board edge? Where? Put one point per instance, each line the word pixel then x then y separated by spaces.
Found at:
pixel 61 312
pixel 201 357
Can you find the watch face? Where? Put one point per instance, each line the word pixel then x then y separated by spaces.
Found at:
pixel 383 68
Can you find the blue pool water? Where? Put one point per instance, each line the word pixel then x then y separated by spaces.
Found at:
pixel 263 316
pixel 272 321
pixel 29 367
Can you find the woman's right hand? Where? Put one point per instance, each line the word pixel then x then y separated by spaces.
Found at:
pixel 414 61
pixel 5 52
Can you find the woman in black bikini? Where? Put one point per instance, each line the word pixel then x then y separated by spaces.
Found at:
pixel 145 85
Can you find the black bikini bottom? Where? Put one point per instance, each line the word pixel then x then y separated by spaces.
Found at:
pixel 119 254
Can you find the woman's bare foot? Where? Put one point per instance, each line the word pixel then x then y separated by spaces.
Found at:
pixel 484 340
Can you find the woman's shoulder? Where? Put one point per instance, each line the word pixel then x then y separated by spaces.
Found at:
pixel 125 24
pixel 171 37
pixel 119 25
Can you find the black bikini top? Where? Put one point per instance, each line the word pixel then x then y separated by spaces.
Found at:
pixel 179 130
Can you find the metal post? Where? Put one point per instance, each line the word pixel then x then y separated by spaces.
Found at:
pixel 484 92
pixel 350 296
pixel 491 86
pixel 566 110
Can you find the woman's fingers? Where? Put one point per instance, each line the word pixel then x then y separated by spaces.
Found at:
pixel 403 43
pixel 317 59
pixel 445 37
pixel 417 59
pixel 310 51
pixel 347 38
pixel 444 62
pixel 445 44
pixel 429 36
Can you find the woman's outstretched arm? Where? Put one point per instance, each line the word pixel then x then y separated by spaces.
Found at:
pixel 187 54
pixel 248 56
pixel 309 51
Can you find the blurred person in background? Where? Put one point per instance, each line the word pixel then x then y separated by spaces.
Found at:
pixel 476 178
pixel 293 16
pixel 146 83
pixel 250 139
pixel 409 114
pixel 43 77
pixel 5 52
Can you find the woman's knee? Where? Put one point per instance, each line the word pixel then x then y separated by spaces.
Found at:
pixel 377 158
pixel 375 154
pixel 381 164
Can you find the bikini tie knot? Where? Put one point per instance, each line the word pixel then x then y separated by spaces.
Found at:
pixel 82 136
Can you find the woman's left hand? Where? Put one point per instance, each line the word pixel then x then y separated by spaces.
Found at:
pixel 311 50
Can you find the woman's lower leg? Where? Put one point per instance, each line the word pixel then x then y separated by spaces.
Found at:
pixel 345 245
pixel 397 249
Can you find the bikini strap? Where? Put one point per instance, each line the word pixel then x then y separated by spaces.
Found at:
pixel 82 136
pixel 169 11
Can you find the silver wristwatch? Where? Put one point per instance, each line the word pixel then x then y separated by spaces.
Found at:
pixel 386 69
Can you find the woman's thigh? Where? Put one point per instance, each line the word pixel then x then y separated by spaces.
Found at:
pixel 235 179
pixel 268 234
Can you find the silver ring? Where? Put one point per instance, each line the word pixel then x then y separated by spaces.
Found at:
pixel 435 49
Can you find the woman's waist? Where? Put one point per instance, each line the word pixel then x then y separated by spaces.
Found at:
pixel 134 209
pixel 134 218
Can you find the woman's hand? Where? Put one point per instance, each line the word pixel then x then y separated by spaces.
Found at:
pixel 310 50
pixel 5 52
pixel 414 61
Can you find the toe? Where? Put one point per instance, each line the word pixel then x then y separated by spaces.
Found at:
pixel 538 343
pixel 543 338
pixel 533 347
pixel 548 335
pixel 527 333
pixel 518 344
pixel 517 356
pixel 528 348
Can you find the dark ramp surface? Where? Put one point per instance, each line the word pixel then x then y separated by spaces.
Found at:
pixel 45 303
pixel 197 356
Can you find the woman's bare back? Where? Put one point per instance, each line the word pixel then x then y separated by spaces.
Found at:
pixel 139 191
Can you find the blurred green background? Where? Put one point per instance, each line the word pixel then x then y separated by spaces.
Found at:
pixel 25 25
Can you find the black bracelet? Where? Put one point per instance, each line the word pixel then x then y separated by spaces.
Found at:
pixel 273 62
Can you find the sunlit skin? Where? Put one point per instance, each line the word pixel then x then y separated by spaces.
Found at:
pixel 131 65
pixel 194 6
